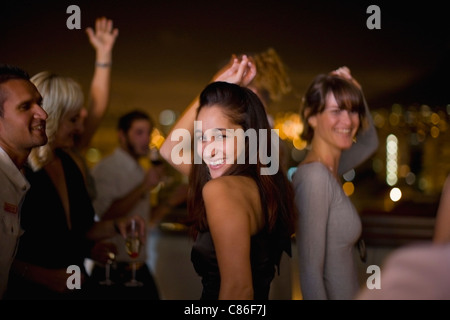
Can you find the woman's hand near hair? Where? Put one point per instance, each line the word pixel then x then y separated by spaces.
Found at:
pixel 238 71
pixel 344 72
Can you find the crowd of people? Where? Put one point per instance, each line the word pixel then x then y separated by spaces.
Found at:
pixel 243 215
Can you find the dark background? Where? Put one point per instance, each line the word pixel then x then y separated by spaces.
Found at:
pixel 168 50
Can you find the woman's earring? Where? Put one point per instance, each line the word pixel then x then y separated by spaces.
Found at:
pixel 354 139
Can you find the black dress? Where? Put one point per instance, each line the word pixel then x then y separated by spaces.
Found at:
pixel 47 240
pixel 265 254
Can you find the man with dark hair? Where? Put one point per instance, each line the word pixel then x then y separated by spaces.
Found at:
pixel 22 127
pixel 123 189
pixel 8 72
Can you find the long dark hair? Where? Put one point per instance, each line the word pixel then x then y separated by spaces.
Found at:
pixel 244 108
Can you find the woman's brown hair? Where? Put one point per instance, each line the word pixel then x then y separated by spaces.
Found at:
pixel 348 96
pixel 244 108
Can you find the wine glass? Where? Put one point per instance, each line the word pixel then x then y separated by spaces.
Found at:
pixel 109 262
pixel 154 157
pixel 133 246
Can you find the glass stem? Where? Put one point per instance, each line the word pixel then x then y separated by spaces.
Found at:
pixel 134 271
pixel 107 270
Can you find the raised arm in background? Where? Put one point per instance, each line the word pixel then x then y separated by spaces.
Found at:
pixel 103 40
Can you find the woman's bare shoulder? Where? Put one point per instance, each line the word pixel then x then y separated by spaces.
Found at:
pixel 230 183
pixel 230 188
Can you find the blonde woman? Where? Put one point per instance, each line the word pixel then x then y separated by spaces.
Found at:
pixel 57 214
pixel 271 82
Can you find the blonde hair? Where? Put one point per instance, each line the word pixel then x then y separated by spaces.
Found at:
pixel 271 80
pixel 60 96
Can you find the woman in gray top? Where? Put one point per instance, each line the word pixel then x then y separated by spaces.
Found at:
pixel 333 112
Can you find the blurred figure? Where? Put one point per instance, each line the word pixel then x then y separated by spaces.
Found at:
pixel 442 224
pixel 57 214
pixel 242 220
pixel 413 272
pixel 418 271
pixel 123 189
pixel 333 112
pixel 271 83
pixel 22 127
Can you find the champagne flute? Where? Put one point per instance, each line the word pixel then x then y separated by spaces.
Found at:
pixel 133 246
pixel 109 262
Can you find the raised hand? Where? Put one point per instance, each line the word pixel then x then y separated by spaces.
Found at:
pixel 239 71
pixel 103 38
pixel 344 72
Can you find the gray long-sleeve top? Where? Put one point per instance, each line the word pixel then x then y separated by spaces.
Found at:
pixel 328 228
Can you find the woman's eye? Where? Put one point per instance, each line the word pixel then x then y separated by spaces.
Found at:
pixel 220 137
pixel 336 111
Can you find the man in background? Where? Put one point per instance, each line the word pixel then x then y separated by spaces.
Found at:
pixel 123 189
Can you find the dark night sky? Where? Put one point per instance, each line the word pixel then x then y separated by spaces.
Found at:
pixel 168 50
